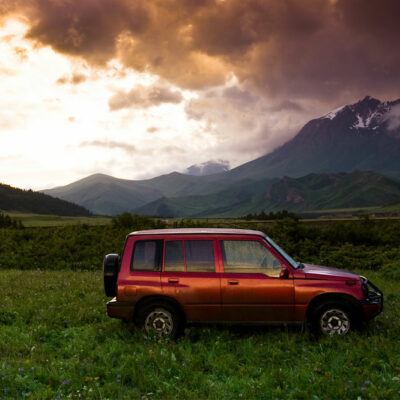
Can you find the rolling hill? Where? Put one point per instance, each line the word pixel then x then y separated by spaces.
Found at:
pixel 28 201
pixel 104 194
pixel 311 192
pixel 361 136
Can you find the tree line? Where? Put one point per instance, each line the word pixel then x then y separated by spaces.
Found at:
pixel 7 222
pixel 263 216
pixel 361 244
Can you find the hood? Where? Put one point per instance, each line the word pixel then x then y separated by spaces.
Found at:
pixel 319 272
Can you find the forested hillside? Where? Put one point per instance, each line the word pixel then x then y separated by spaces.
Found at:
pixel 311 192
pixel 14 199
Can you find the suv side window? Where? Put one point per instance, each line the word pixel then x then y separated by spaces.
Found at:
pixel 174 260
pixel 199 256
pixel 147 255
pixel 189 256
pixel 249 256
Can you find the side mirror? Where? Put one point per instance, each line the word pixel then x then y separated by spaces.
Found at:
pixel 284 273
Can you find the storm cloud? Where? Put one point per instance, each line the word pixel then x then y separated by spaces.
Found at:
pixel 144 97
pixel 328 50
pixel 74 79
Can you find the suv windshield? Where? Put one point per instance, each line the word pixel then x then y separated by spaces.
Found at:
pixel 286 256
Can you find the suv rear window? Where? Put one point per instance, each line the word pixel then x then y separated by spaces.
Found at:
pixel 147 255
pixel 189 256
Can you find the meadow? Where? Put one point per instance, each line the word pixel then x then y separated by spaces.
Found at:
pixel 42 220
pixel 57 342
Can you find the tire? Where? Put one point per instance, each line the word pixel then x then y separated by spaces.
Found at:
pixel 332 319
pixel 161 320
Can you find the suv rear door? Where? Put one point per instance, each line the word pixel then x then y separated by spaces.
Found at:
pixel 190 276
pixel 251 286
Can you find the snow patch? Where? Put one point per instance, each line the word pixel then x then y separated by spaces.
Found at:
pixel 360 123
pixel 333 113
pixel 370 117
pixel 371 120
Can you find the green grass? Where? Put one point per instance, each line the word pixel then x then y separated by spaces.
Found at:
pixel 57 342
pixel 39 220
pixel 394 208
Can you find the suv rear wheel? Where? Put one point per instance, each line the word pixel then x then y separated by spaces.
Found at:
pixel 332 319
pixel 160 319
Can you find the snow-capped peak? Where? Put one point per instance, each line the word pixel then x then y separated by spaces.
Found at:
pixel 368 113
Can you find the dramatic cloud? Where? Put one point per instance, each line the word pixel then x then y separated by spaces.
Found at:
pixel 287 105
pixel 208 168
pixel 314 48
pixel 144 97
pixel 244 125
pixel 223 79
pixel 74 79
pixel 110 144
pixel 152 129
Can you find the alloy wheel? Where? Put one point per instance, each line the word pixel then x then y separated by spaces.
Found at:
pixel 160 322
pixel 334 321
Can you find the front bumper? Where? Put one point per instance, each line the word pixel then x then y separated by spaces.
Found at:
pixel 122 310
pixel 373 302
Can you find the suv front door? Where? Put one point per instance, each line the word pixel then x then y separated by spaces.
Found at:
pixel 252 288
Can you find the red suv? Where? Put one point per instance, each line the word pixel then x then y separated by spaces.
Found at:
pixel 169 277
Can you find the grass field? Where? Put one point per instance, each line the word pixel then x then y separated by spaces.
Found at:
pixel 316 217
pixel 38 220
pixel 57 342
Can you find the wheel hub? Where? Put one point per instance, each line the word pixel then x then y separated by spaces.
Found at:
pixel 160 322
pixel 334 321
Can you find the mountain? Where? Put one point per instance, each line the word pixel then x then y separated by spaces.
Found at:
pixel 330 191
pixel 361 136
pixel 228 202
pixel 104 194
pixel 311 192
pixel 14 199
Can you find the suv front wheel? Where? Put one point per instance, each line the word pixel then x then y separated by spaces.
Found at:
pixel 332 319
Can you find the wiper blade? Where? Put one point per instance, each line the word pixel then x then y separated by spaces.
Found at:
pixel 300 265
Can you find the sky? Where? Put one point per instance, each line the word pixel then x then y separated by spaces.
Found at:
pixel 136 89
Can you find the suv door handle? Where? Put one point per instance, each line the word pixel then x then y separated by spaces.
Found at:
pixel 233 282
pixel 173 280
